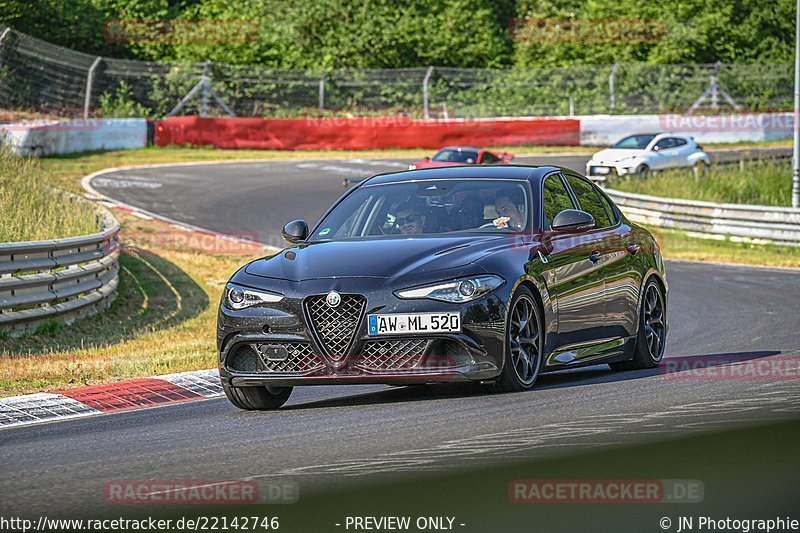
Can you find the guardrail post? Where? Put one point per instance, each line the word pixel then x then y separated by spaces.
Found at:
pixel 611 85
pixel 89 82
pixel 425 99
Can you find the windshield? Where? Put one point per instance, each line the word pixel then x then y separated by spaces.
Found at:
pixel 428 207
pixel 456 156
pixel 635 142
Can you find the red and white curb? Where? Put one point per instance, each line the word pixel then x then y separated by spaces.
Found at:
pixel 109 398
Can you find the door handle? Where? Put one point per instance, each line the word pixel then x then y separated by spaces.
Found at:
pixel 594 257
pixel 633 249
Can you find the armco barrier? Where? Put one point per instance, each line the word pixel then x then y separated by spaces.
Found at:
pixel 43 138
pixel 779 225
pixel 362 133
pixel 58 279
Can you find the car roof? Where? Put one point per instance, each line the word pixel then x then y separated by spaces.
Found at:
pixel 462 148
pixel 504 172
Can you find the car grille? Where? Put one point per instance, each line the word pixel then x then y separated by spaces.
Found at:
pixel 335 327
pixel 391 355
pixel 301 357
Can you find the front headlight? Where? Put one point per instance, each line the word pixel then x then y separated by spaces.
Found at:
pixel 237 297
pixel 455 291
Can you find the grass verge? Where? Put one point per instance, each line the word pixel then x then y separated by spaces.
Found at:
pixel 758 183
pixel 32 210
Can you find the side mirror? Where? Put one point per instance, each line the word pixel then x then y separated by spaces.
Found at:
pixel 573 220
pixel 295 231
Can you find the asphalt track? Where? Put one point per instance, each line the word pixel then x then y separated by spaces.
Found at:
pixel 330 438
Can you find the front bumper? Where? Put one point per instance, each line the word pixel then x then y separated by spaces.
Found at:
pixel 600 172
pixel 276 345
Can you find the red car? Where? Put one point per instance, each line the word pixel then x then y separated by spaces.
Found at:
pixel 462 155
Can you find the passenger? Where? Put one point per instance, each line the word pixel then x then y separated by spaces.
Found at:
pixel 510 205
pixel 410 219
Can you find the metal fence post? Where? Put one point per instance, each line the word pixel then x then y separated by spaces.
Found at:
pixel 322 92
pixel 4 34
pixel 796 142
pixel 425 99
pixel 89 82
pixel 206 90
pixel 611 85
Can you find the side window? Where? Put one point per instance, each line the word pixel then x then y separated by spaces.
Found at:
pixel 612 212
pixel 489 158
pixel 590 201
pixel 555 199
pixel 665 144
pixel 679 142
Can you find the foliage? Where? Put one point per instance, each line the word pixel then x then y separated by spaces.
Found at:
pixel 121 104
pixel 329 34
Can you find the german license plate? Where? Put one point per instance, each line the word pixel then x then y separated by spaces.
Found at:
pixel 394 324
pixel 600 170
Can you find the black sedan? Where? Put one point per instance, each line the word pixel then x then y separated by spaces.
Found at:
pixel 490 274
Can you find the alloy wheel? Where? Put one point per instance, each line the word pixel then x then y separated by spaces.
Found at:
pixel 654 330
pixel 523 339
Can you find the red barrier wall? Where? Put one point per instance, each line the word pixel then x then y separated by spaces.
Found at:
pixel 363 133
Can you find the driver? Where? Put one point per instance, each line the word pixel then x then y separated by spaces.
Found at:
pixel 410 219
pixel 510 205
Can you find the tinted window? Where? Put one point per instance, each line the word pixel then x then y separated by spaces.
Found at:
pixel 489 158
pixel 664 144
pixel 555 199
pixel 635 142
pixel 679 142
pixel 590 201
pixel 428 207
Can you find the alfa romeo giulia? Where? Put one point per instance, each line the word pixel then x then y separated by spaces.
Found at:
pixel 485 274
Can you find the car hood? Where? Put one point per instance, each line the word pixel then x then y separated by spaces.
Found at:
pixel 375 257
pixel 612 155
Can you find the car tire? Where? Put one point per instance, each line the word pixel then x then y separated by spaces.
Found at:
pixel 642 171
pixel 651 336
pixel 523 360
pixel 257 398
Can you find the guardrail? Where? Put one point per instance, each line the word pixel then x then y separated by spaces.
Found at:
pixel 764 224
pixel 59 279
